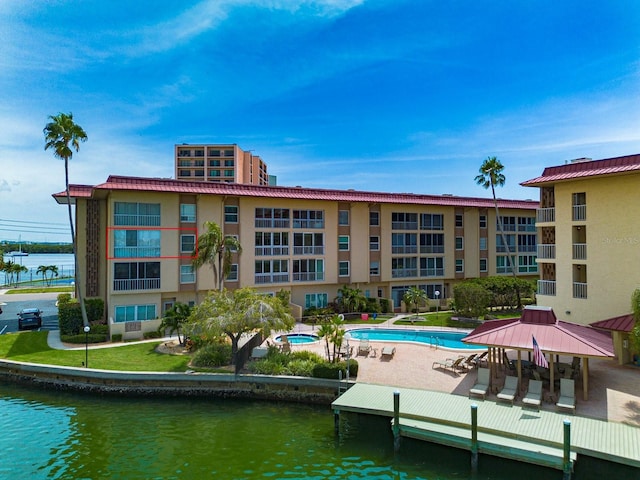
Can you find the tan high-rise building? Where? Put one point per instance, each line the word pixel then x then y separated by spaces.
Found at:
pixel 136 237
pixel 589 238
pixel 219 163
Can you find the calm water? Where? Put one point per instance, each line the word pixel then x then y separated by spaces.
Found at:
pixel 64 436
pixel 442 338
pixel 64 262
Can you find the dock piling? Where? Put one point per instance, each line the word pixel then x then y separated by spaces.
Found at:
pixel 474 438
pixel 396 420
pixel 566 462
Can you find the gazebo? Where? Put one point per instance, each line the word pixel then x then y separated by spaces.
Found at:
pixel 620 328
pixel 554 337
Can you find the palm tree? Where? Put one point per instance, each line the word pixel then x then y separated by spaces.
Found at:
pixel 491 176
pixel 217 250
pixel 174 318
pixel 414 296
pixel 63 136
pixel 44 269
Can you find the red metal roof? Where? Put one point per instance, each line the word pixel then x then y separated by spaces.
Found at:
pixel 115 182
pixel 623 323
pixel 591 168
pixel 75 191
pixel 552 335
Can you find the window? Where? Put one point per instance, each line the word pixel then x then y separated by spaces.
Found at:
pixel 184 153
pixel 228 153
pixel 231 214
pixel 214 152
pixel 374 243
pixel 404 267
pixel 374 219
pixel 527 264
pixel 459 243
pixel 198 173
pixel 187 274
pixel 308 243
pixel 404 243
pixel 198 152
pixel 214 163
pixel 343 269
pixel 184 173
pixel 483 243
pixel 316 300
pixel 502 264
pixel 527 243
pixel 214 173
pixel 228 163
pixel 136 243
pixel 308 219
pixel 308 269
pixel 272 243
pixel 432 267
pixel 229 173
pixel 579 204
pixel 483 264
pixel 136 275
pixel 459 220
pixel 233 273
pixel 431 221
pixel 511 243
pixel 483 221
pixel 187 243
pixel 134 313
pixel 187 212
pixel 343 217
pixel 526 224
pixel 271 271
pixel 136 214
pixel 343 242
pixel 374 268
pixel 272 218
pixel 432 243
pixel 404 221
pixel 459 265
pixel 508 224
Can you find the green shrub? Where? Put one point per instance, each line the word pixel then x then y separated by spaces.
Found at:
pixel 300 368
pixel 332 370
pixel 148 335
pixel 95 309
pixel 69 318
pixel 116 337
pixel 267 366
pixel 384 305
pixel 64 298
pixel 100 328
pixel 212 355
pixel 80 338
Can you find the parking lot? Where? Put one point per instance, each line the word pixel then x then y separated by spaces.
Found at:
pixel 12 304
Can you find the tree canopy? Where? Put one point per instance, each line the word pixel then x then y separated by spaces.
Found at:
pixel 216 249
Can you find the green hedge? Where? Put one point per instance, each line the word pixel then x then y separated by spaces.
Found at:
pixel 212 355
pixel 80 338
pixel 332 370
pixel 70 316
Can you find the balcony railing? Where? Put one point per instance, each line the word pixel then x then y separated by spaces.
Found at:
pixel 263 278
pixel 579 251
pixel 308 276
pixel 547 287
pixel 579 213
pixel 547 251
pixel 545 215
pixel 404 249
pixel 272 251
pixel 136 252
pixel 298 223
pixel 308 250
pixel 579 290
pixel 432 272
pixel 431 248
pixel 272 223
pixel 127 220
pixel 404 272
pixel 137 284
pixel 404 225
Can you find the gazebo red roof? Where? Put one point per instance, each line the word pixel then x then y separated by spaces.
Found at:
pixel 552 335
pixel 623 323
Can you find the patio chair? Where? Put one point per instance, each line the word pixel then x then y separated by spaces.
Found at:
pixel 510 389
pixel 510 364
pixel 387 352
pixel 364 348
pixel 533 397
pixel 480 360
pixel 567 398
pixel 482 383
pixel 447 363
pixel 468 362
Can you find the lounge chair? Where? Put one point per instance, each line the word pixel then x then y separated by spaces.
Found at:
pixel 479 361
pixel 452 364
pixel 533 396
pixel 510 364
pixel 567 398
pixel 364 348
pixel 468 362
pixel 510 389
pixel 482 383
pixel 387 352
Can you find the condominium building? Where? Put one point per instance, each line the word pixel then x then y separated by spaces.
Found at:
pixel 136 237
pixel 589 237
pixel 219 163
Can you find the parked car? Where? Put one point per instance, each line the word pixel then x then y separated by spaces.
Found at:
pixel 29 318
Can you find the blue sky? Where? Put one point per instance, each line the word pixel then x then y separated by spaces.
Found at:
pixel 393 96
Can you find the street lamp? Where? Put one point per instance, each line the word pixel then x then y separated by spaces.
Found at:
pixel 86 345
pixel 437 293
pixel 347 336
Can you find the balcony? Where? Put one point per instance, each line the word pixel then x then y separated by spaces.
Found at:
pixel 308 276
pixel 264 278
pixel 271 251
pixel 136 252
pixel 547 287
pixel 404 272
pixel 404 249
pixel 546 251
pixel 272 223
pixel 579 290
pixel 136 284
pixel 432 272
pixel 579 251
pixel 579 213
pixel 404 225
pixel 545 215
pixel 308 250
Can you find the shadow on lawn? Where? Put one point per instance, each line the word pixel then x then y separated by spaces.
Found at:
pixel 29 342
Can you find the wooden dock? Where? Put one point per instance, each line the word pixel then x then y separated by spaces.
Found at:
pixel 504 430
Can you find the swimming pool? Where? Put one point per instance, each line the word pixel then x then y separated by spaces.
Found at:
pixel 442 339
pixel 298 338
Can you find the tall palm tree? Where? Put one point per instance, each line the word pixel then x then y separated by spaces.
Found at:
pixel 491 176
pixel 414 296
pixel 216 249
pixel 63 136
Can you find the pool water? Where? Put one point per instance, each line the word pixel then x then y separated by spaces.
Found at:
pixel 443 339
pixel 299 338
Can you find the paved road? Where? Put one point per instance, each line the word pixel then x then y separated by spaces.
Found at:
pixel 14 303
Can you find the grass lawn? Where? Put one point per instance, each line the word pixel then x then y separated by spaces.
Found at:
pixel 40 290
pixel 32 347
pixel 433 319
